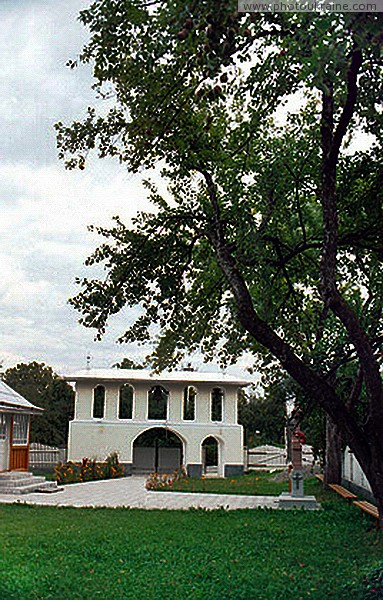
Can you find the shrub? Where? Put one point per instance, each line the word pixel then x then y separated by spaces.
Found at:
pixel 88 470
pixel 112 467
pixel 155 481
pixel 68 472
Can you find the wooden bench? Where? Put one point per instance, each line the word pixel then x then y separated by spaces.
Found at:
pixel 342 492
pixel 319 476
pixel 368 508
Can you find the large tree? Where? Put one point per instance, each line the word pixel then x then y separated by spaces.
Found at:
pixel 270 239
pixel 40 385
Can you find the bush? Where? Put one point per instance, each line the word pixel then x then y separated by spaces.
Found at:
pixel 88 470
pixel 112 467
pixel 155 481
pixel 68 472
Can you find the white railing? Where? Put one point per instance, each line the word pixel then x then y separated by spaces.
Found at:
pixel 44 456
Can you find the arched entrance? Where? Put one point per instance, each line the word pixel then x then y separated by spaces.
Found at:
pixel 157 450
pixel 210 455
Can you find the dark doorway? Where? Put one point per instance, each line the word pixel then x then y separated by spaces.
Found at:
pixel 210 455
pixel 157 450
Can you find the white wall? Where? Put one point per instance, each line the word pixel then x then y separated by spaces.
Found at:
pixel 352 471
pixel 4 445
pixel 96 438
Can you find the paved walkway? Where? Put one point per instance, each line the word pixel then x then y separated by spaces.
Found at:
pixel 130 492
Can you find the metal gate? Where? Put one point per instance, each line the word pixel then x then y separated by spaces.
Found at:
pixel 156 459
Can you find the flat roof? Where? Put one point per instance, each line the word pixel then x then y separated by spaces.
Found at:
pixel 165 376
pixel 9 399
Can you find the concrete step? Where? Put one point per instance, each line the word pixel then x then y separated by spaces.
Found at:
pixel 20 483
pixel 26 489
pixel 6 475
pixel 15 482
pixel 49 487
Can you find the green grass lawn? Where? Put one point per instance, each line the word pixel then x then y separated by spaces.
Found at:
pixel 65 553
pixel 259 483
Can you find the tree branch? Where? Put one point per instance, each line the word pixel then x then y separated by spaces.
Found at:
pixel 331 143
pixel 314 385
pixel 349 106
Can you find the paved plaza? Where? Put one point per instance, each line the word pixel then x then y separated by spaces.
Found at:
pixel 130 492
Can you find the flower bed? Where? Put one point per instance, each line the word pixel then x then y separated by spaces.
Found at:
pixel 155 481
pixel 89 470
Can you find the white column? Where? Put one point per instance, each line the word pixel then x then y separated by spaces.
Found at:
pixel 141 402
pixel 112 391
pixel 230 402
pixel 203 404
pixel 175 403
pixel 84 400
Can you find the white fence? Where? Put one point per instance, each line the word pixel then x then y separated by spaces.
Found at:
pixel 42 456
pixel 352 471
pixel 272 457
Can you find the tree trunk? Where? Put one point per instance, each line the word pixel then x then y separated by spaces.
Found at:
pixel 333 464
pixel 374 473
pixel 364 440
pixel 288 430
pixel 378 495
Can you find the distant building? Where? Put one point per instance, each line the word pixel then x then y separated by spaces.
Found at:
pixel 158 422
pixel 15 412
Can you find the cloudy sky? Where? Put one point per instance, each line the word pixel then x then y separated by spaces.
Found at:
pixel 44 209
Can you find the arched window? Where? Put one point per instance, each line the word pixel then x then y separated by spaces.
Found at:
pixel 158 403
pixel 98 402
pixel 125 402
pixel 189 403
pixel 217 404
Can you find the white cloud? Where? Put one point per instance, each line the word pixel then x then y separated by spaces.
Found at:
pixel 36 88
pixel 45 242
pixel 49 201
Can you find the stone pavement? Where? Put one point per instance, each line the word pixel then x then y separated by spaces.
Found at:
pixel 130 492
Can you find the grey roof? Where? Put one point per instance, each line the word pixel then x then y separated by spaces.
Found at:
pixel 12 401
pixel 146 375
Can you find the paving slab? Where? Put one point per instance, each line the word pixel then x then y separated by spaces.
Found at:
pixel 130 492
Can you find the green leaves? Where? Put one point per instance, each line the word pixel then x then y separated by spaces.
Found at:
pixel 200 89
pixel 41 386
